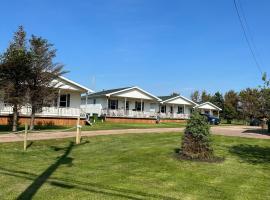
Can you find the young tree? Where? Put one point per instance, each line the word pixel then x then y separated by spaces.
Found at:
pixel 14 67
pixel 195 96
pixel 196 140
pixel 230 106
pixel 205 96
pixel 218 100
pixel 40 80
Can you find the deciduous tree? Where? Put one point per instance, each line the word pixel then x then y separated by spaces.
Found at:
pixel 250 103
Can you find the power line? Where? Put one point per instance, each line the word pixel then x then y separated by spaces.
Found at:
pixel 249 32
pixel 246 37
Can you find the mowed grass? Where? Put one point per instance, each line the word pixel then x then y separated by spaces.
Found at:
pixel 129 166
pixel 7 128
pixel 110 126
pixel 98 126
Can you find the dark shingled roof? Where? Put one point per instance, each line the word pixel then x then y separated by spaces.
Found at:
pixel 164 98
pixel 104 92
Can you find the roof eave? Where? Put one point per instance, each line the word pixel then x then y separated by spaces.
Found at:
pixel 83 88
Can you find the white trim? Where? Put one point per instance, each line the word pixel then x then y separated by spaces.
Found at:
pixel 76 84
pixel 209 103
pixel 135 87
pixel 180 96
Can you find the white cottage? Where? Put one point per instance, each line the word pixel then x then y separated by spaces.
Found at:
pixel 65 106
pixel 132 102
pixel 176 106
pixel 208 108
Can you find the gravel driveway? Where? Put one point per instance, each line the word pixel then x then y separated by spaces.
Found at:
pixel 238 131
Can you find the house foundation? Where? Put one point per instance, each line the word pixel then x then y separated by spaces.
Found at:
pixel 142 120
pixel 43 121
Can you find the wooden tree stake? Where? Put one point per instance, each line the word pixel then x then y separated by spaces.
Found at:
pixel 25 137
pixel 78 133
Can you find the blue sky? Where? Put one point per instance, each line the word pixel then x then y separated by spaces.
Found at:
pixel 161 46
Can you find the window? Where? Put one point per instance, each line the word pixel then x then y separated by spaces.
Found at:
pixel 127 105
pixel 152 107
pixel 163 109
pixel 180 110
pixel 113 104
pixel 171 109
pixel 65 100
pixel 94 101
pixel 139 106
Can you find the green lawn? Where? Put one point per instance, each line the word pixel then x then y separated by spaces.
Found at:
pixel 7 129
pixel 133 167
pixel 100 126
pixel 110 125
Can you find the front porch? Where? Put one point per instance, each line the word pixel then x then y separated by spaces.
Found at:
pixel 142 114
pixel 209 109
pixel 43 112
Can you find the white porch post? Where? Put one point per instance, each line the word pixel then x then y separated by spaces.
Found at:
pixel 125 106
pixel 86 99
pixel 218 113
pixel 173 111
pixel 107 105
pixel 58 101
pixel 141 105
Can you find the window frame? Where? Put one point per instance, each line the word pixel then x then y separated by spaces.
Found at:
pixel 180 111
pixel 113 104
pixel 163 108
pixel 64 101
pixel 139 106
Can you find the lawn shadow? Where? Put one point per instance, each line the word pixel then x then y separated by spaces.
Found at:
pixel 86 186
pixel 29 145
pixel 178 154
pixel 64 183
pixel 257 131
pixel 32 189
pixel 253 154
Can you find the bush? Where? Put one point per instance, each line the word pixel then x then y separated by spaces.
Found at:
pixel 196 143
pixel 95 117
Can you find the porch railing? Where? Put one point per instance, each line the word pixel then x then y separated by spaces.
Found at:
pixel 141 114
pixel 174 115
pixel 44 111
pixel 127 113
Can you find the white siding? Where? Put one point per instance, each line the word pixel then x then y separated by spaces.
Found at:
pixel 75 99
pixel 207 107
pixel 134 94
pixel 179 101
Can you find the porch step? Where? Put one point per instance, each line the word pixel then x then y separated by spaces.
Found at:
pixel 88 122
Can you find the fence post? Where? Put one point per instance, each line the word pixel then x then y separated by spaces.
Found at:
pixel 25 137
pixel 78 132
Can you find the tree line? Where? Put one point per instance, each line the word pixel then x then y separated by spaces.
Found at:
pixel 27 72
pixel 247 104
